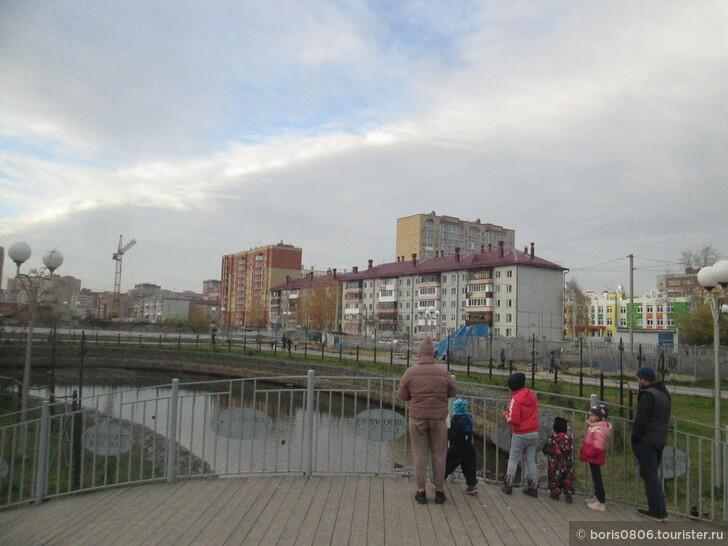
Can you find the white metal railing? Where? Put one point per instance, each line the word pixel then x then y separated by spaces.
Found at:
pixel 306 425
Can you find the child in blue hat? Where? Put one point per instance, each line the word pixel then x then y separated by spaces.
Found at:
pixel 461 450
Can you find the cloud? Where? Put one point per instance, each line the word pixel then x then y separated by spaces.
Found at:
pixel 593 129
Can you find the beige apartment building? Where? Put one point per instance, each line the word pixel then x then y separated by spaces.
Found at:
pixel 247 278
pixel 430 235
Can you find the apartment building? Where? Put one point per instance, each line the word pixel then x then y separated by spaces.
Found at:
pixel 247 278
pixel 430 235
pixel 515 292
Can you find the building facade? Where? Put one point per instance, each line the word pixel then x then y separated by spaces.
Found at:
pixel 514 292
pixel 675 285
pixel 429 235
pixel 246 280
pixel 653 311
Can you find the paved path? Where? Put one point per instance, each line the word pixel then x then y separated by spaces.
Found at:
pixel 366 510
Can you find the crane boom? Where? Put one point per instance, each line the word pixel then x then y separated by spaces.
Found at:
pixel 117 257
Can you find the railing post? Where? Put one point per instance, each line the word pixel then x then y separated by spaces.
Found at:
pixel 172 433
pixel 309 421
pixel 725 476
pixel 593 400
pixel 41 484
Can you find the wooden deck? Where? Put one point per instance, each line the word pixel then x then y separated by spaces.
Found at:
pixel 288 509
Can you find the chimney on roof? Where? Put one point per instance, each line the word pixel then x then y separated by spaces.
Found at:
pixel 490 247
pixel 532 255
pixel 288 279
pixel 414 258
pixel 334 270
pixel 482 248
pixel 457 253
pixel 500 248
pixel 370 263
pixel 397 259
pixel 355 269
pixel 525 250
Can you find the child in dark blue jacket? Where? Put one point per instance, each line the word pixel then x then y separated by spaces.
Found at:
pixel 461 450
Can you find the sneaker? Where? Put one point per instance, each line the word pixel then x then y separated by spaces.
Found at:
pixel 648 515
pixel 421 497
pixel 569 499
pixel 598 506
pixel 593 499
pixel 531 492
pixel 507 489
pixel 471 490
pixel 440 497
pixel 554 496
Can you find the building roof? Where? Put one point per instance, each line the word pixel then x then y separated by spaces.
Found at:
pixel 437 264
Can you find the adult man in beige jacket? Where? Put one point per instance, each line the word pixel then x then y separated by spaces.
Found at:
pixel 427 386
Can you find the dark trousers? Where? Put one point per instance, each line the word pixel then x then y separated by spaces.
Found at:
pixel 649 458
pixel 464 457
pixel 596 473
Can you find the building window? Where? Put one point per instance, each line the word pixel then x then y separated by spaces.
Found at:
pixel 497 317
pixel 509 303
pixel 497 274
pixel 509 317
pixel 509 332
pixel 649 308
pixel 509 288
pixel 609 321
pixel 509 273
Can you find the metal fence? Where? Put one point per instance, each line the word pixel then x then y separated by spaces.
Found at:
pixel 310 425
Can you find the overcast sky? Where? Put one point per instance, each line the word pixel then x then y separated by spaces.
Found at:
pixel 594 129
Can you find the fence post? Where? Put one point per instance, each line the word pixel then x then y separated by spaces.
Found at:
pixel 357 353
pixel 41 484
pixel 468 369
pixel 391 356
pixel 601 386
pixel 309 421
pixel 593 400
pixel 172 433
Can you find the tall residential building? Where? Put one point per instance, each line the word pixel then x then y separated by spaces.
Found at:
pixel 514 292
pixel 429 235
pixel 679 284
pixel 247 278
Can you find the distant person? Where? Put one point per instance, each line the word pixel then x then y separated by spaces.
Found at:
pixel 552 362
pixel 594 452
pixel 461 450
pixel 649 437
pixel 427 386
pixel 559 448
pixel 502 365
pixel 522 415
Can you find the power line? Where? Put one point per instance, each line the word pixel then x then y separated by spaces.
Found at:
pixel 596 265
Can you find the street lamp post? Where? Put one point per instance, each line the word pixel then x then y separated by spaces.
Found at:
pixel 32 283
pixel 431 316
pixel 710 278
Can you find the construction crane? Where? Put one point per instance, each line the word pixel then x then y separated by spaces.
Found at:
pixel 117 257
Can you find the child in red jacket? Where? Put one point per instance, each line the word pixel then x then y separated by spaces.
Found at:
pixel 522 415
pixel 594 452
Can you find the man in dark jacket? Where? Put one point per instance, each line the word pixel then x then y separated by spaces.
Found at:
pixel 649 436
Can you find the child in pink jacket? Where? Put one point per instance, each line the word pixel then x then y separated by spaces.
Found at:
pixel 594 452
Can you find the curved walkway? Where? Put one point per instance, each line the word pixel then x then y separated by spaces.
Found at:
pixel 366 510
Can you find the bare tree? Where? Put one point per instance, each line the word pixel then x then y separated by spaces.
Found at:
pixel 577 305
pixel 695 259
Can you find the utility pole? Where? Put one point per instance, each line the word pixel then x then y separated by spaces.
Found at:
pixel 630 315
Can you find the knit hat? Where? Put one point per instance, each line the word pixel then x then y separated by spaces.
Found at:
pixel 460 406
pixel 427 351
pixel 647 373
pixel 517 381
pixel 600 411
pixel 560 425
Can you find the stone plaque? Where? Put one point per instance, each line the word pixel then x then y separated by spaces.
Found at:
pixel 674 462
pixel 107 438
pixel 380 425
pixel 241 423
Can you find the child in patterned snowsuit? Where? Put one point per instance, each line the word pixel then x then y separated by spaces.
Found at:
pixel 461 450
pixel 559 447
